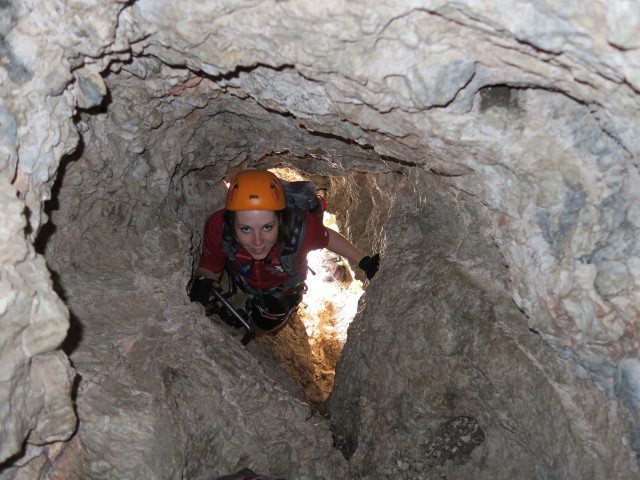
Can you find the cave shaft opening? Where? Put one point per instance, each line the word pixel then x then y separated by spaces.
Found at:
pixel 142 219
pixel 126 227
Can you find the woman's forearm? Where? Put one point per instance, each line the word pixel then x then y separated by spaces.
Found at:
pixel 343 247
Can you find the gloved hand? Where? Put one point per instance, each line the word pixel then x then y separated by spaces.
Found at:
pixel 370 265
pixel 201 290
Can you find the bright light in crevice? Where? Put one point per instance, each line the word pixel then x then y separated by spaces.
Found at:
pixel 326 310
pixel 331 301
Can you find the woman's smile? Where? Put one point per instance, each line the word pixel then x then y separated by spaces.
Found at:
pixel 256 231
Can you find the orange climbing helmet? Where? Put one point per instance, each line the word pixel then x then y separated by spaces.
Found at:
pixel 256 190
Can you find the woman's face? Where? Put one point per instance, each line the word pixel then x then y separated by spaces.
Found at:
pixel 256 231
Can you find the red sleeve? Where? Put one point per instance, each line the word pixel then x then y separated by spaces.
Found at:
pixel 315 237
pixel 213 257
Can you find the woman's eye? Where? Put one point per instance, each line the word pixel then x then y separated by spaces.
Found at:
pixel 244 229
pixel 267 228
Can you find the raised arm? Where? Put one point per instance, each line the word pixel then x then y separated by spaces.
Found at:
pixel 343 247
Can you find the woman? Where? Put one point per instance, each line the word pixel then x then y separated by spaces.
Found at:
pixel 249 237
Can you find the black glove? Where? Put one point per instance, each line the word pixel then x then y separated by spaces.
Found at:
pixel 201 290
pixel 370 265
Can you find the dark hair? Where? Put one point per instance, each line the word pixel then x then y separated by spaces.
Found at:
pixel 283 217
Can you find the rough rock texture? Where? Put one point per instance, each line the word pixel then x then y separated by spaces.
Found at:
pixel 163 392
pixel 452 344
pixel 488 149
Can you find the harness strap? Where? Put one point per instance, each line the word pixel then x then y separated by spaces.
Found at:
pixel 289 250
pixel 289 284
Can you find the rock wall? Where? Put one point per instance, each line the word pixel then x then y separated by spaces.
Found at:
pixel 443 377
pixel 164 392
pixel 523 119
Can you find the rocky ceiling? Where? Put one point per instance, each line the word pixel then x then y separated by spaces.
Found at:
pixel 489 151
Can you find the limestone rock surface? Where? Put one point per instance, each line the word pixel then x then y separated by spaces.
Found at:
pixel 488 150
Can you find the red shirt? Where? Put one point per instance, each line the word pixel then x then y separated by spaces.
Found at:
pixel 265 273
